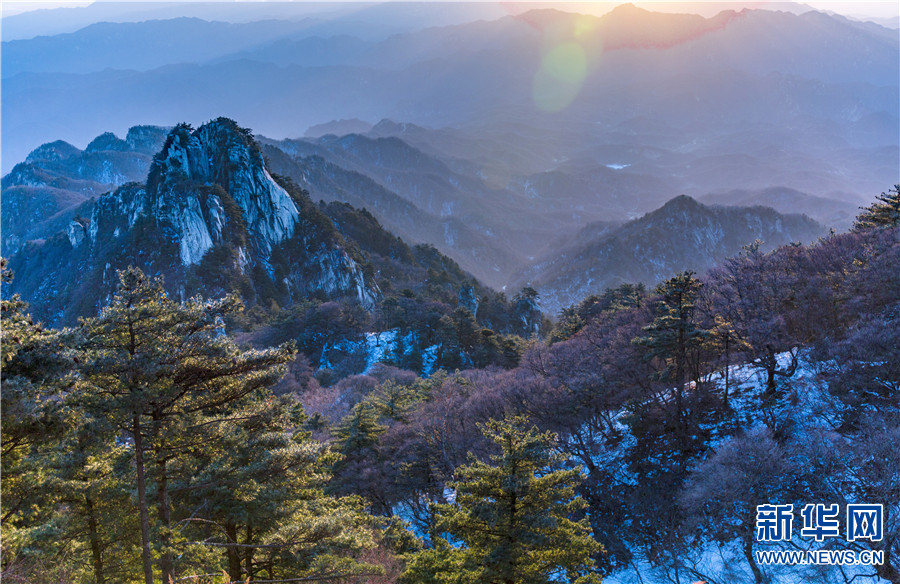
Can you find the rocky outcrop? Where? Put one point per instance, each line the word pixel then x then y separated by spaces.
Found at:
pixel 57 181
pixel 76 232
pixel 107 142
pixel 146 139
pixel 222 153
pixel 210 219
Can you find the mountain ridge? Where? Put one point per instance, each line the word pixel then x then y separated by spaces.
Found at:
pixel 209 219
pixel 681 235
pixel 504 82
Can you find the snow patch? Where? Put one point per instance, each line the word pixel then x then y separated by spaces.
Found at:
pixel 383 347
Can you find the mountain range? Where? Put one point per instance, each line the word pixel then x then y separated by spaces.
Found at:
pixel 43 193
pixel 211 219
pixel 368 240
pixel 509 140
pixel 752 99
pixel 681 235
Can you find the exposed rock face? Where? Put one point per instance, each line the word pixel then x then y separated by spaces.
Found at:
pixel 76 233
pixel 210 219
pixel 222 153
pixel 107 141
pixel 146 139
pixel 468 298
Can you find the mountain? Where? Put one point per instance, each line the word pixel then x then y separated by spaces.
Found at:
pixel 323 19
pixel 507 132
pixel 681 235
pixel 338 128
pixel 210 219
pixel 426 195
pixel 762 98
pixel 829 211
pixel 43 193
pixel 422 195
pixel 484 255
pixel 136 45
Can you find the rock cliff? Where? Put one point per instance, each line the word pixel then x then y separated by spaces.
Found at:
pixel 210 219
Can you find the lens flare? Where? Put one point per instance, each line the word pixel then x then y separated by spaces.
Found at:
pixel 583 26
pixel 560 77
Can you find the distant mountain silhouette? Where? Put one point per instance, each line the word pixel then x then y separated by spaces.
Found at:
pixel 681 235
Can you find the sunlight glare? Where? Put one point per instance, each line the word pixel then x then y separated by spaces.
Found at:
pixel 560 77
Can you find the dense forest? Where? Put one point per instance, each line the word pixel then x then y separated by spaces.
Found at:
pixel 167 441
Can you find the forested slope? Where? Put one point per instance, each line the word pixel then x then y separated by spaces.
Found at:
pixel 145 443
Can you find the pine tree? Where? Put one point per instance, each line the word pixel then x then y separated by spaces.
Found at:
pixel 885 212
pixel 674 337
pixel 157 369
pixel 359 468
pixel 395 401
pixel 256 493
pixel 32 374
pixel 517 517
pixel 87 475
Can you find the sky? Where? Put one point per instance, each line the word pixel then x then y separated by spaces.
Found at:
pixel 878 9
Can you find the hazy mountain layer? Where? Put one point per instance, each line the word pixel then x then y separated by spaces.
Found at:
pixel 681 235
pixel 41 195
pixel 750 99
pixel 487 257
pixel 424 198
pixel 829 211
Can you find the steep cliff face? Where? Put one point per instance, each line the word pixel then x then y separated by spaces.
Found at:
pixel 210 219
pixel 221 153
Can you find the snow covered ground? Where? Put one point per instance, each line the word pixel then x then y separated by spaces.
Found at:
pixel 383 347
pixel 726 564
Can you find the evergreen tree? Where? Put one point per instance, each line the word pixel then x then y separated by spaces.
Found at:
pixel 517 517
pixel 158 369
pixel 573 318
pixel 672 426
pixel 723 341
pixel 395 401
pixel 885 212
pixel 674 337
pixel 87 475
pixel 32 374
pixel 359 470
pixel 255 493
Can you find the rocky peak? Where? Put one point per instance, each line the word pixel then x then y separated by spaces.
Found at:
pixel 53 151
pixel 107 141
pixel 226 155
pixel 146 139
pixel 681 235
pixel 210 219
